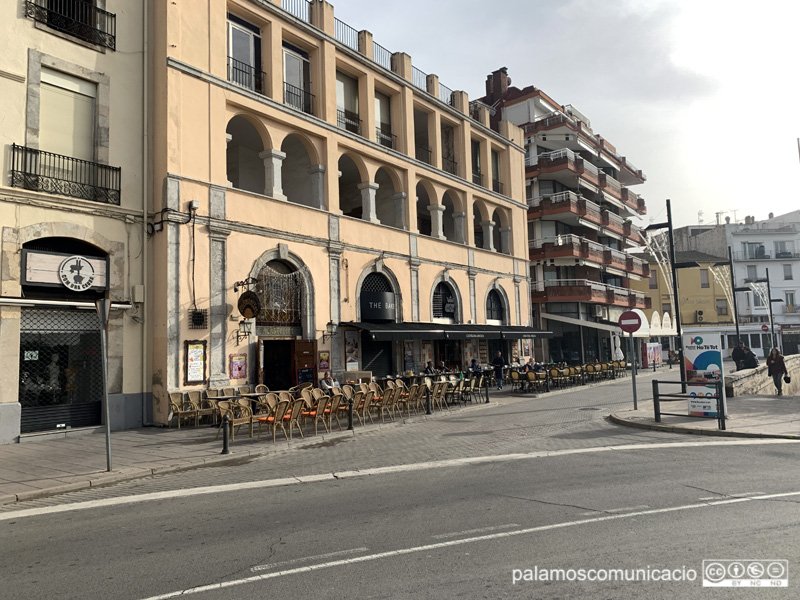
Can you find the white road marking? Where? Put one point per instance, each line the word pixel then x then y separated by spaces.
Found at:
pixel 620 510
pixel 443 536
pixel 308 558
pixel 738 495
pixel 459 542
pixel 424 466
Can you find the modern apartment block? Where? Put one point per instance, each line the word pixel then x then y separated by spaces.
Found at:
pixel 579 221
pixel 315 205
pixel 72 214
pixel 759 248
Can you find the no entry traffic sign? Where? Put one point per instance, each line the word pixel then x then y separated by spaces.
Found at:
pixel 629 322
pixel 764 327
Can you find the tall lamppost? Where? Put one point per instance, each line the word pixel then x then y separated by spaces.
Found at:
pixel 770 300
pixel 734 289
pixel 674 268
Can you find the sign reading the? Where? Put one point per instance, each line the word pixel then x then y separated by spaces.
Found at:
pixel 76 273
pixel 377 306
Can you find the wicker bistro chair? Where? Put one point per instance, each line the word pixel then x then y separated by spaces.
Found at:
pixel 362 405
pixel 228 391
pixel 204 409
pixel 307 397
pixel 266 404
pixel 438 394
pixel 261 389
pixel 347 391
pixel 238 415
pixel 384 404
pixel 454 393
pixel 294 415
pixel 180 410
pixel 405 399
pixel 317 412
pixel 245 389
pixel 332 412
pixel 275 420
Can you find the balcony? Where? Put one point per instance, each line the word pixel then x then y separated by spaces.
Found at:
pixel 348 121
pixel 497 186
pixel 384 136
pixel 423 153
pixel 566 203
pixel 41 171
pixel 573 246
pixel 298 98
pixel 756 255
pixel 585 290
pixel 246 76
pixel 477 178
pixel 449 165
pixel 78 19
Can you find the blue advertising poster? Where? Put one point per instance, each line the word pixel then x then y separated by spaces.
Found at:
pixel 703 361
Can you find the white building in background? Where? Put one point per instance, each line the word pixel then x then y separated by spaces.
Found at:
pixel 760 248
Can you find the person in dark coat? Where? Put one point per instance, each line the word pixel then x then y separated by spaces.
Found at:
pixel 777 368
pixel 498 363
pixel 738 355
pixel 750 361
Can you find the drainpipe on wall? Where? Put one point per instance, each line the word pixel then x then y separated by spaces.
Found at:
pixel 146 188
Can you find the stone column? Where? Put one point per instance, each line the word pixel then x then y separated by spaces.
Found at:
pixel 459 219
pixel 368 191
pixel 488 235
pixel 228 138
pixel 437 214
pixel 505 240
pixel 399 200
pixel 317 175
pixel 473 299
pixel 273 180
pixel 414 264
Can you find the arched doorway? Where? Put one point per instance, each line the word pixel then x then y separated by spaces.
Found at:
pixel 377 304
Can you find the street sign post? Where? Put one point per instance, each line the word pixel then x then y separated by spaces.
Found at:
pixel 765 328
pixel 630 322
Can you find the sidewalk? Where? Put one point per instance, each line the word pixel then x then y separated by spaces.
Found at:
pixel 58 463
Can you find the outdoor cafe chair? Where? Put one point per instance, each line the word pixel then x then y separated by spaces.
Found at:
pixel 333 411
pixel 275 420
pixel 228 391
pixel 305 394
pixel 212 393
pixel 285 395
pixel 383 404
pixel 376 389
pixel 238 415
pixel 404 400
pixel 267 403
pixel 317 412
pixel 244 389
pixel 362 406
pixel 390 384
pixel 363 387
pixel 516 382
pixel 438 395
pixel 295 414
pixel 180 410
pixel 317 393
pixel 195 399
pixel 347 391
pixel 261 389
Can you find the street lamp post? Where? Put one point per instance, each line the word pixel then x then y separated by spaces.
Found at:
pixel 770 300
pixel 734 289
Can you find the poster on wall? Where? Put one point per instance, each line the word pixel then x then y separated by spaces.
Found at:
pixel 526 347
pixel 238 366
pixel 324 360
pixel 653 355
pixel 483 352
pixel 515 352
pixel 408 357
pixel 469 353
pixel 351 353
pixel 427 353
pixel 194 362
pixel 703 362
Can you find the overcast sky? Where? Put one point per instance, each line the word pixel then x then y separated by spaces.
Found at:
pixel 702 95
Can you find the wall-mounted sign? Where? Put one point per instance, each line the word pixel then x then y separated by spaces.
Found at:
pixel 377 306
pixel 54 269
pixel 194 362
pixel 249 305
pixel 238 366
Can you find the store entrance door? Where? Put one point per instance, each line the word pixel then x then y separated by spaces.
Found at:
pixel 278 364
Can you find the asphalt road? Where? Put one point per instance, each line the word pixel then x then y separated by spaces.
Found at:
pixel 452 507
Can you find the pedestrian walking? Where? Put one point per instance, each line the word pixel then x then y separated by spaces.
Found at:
pixel 776 367
pixel 498 363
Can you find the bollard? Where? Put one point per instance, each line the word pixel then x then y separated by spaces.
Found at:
pixel 350 415
pixel 720 407
pixel 547 379
pixel 225 434
pixel 427 400
pixel 656 402
pixel 486 389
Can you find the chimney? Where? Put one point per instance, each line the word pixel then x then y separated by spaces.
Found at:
pixel 771 215
pixel 727 220
pixel 497 84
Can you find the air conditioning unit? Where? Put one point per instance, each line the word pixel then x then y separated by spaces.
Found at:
pixel 599 310
pixel 699 316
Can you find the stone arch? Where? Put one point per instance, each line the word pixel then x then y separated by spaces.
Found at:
pixel 379 267
pixel 444 278
pixel 352 174
pixel 389 198
pixel 500 291
pixel 283 254
pixel 452 217
pixel 246 141
pixel 296 170
pixel 425 196
pixel 500 242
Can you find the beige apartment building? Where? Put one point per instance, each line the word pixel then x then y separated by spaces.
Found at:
pixel 316 205
pixel 72 210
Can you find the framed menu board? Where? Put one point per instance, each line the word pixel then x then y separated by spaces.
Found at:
pixel 194 361
pixel 483 352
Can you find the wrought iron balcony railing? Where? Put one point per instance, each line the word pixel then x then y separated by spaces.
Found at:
pixel 298 98
pixel 348 121
pixel 423 153
pixel 246 75
pixel 497 186
pixel 477 178
pixel 449 165
pixel 76 18
pixel 57 174
pixel 384 136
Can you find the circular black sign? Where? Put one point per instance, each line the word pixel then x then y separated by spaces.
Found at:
pixel 249 305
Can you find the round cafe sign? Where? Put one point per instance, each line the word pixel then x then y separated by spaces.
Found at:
pixel 76 273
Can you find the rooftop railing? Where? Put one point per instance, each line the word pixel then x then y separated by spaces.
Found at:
pixel 419 78
pixel 382 56
pixel 345 34
pixel 78 19
pixel 42 171
pixel 299 8
pixel 445 94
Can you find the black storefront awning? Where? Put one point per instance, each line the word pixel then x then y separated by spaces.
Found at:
pixel 443 331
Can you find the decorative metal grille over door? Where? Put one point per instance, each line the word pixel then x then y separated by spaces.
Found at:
pixel 60 369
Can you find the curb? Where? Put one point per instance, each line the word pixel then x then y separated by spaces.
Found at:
pixel 693 431
pixel 214 461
